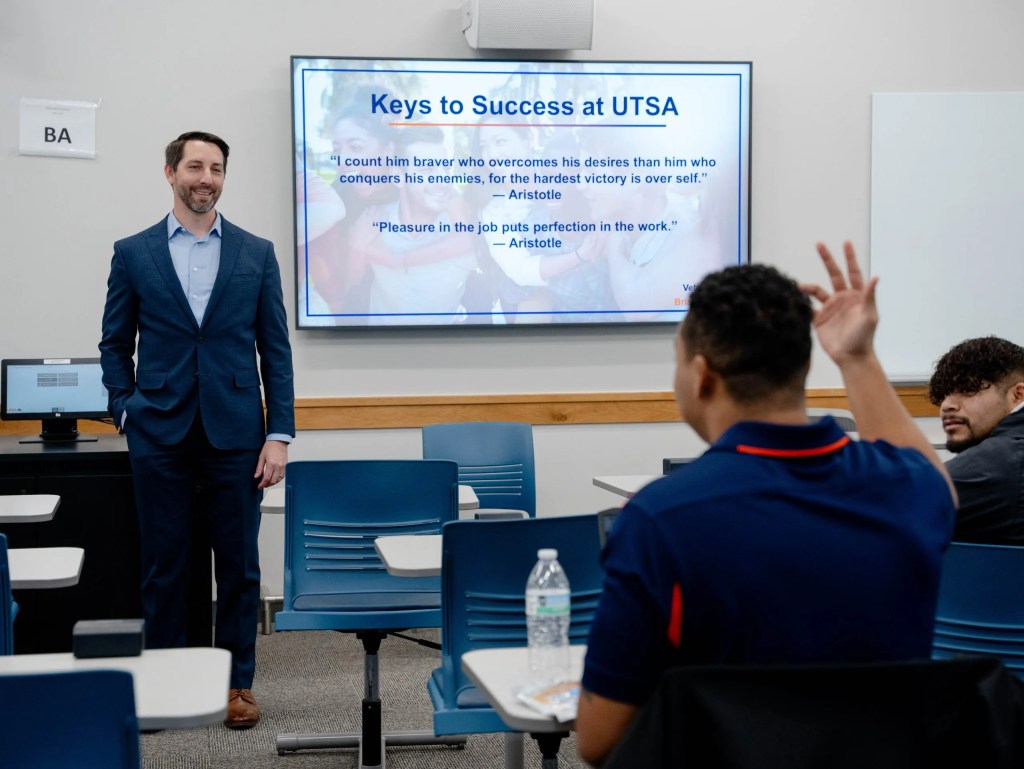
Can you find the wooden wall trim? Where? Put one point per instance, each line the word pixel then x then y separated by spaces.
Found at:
pixel 400 411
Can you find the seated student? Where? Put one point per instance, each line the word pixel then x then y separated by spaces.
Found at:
pixel 786 541
pixel 979 388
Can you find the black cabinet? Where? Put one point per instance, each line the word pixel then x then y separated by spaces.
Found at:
pixel 96 513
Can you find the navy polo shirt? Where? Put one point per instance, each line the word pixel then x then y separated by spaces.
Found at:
pixel 781 544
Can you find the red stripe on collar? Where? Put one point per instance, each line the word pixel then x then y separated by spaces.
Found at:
pixel 794 453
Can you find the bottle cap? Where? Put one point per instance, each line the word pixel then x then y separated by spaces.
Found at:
pixel 547 554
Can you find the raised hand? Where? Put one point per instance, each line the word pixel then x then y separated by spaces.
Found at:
pixel 845 324
pixel 846 321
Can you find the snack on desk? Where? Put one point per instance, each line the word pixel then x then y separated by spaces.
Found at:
pixel 552 699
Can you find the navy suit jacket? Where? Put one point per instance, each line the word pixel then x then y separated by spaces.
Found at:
pixel 183 365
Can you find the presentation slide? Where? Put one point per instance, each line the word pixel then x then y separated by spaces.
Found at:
pixel 441 193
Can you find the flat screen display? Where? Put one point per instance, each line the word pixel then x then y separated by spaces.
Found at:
pixel 480 192
pixel 53 388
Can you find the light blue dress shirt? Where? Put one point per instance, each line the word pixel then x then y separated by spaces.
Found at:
pixel 195 262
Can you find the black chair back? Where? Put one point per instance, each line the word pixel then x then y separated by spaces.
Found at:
pixel 967 712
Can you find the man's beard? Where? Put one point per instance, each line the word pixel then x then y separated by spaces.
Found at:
pixel 199 208
pixel 955 447
pixel 185 193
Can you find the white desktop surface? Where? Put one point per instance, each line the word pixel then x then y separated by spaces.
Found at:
pixel 410 555
pixel 273 499
pixel 468 499
pixel 28 508
pixel 623 485
pixel 499 672
pixel 174 688
pixel 44 567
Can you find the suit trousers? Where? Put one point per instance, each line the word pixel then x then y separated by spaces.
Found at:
pixel 165 480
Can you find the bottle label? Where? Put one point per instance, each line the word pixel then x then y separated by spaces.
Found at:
pixel 549 605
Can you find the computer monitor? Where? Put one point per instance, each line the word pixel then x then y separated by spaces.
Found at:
pixel 58 391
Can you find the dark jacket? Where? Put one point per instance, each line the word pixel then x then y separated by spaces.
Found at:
pixel 183 365
pixel 989 480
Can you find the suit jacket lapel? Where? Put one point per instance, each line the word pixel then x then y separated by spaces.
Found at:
pixel 230 245
pixel 161 254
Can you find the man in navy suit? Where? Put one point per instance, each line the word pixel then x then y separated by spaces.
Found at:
pixel 202 297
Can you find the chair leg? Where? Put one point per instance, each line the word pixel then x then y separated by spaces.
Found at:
pixel 267 605
pixel 548 743
pixel 371 741
pixel 513 750
pixel 371 749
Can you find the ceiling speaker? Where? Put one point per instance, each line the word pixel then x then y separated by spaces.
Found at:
pixel 561 24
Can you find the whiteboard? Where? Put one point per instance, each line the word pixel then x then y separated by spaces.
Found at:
pixel 947 223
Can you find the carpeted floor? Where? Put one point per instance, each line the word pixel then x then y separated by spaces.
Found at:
pixel 310 682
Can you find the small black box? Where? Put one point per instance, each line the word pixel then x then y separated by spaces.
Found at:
pixel 108 638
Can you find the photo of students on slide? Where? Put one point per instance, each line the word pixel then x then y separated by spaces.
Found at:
pixel 320 235
pixel 660 241
pixel 417 265
pixel 356 137
pixel 529 270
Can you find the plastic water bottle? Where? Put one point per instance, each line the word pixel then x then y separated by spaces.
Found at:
pixel 547 619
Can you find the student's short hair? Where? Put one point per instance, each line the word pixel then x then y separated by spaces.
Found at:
pixel 176 149
pixel 753 326
pixel 974 365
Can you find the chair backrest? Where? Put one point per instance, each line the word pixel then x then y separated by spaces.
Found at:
pixel 83 718
pixel 334 510
pixel 484 568
pixel 909 715
pixel 495 458
pixel 6 602
pixel 844 418
pixel 981 603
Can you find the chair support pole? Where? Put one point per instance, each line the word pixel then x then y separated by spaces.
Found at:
pixel 548 743
pixel 370 745
pixel 513 750
pixel 371 663
pixel 371 741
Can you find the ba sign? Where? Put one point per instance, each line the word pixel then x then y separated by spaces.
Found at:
pixel 62 128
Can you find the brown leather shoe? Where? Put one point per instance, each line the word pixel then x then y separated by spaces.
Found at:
pixel 243 712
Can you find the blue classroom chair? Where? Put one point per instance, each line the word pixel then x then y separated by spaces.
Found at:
pixel 843 417
pixel 495 458
pixel 334 579
pixel 83 719
pixel 981 604
pixel 484 568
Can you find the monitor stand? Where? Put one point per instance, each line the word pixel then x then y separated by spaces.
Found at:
pixel 60 430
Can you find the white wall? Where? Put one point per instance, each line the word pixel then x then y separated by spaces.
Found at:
pixel 161 68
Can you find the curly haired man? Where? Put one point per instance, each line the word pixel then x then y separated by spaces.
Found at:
pixel 979 388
